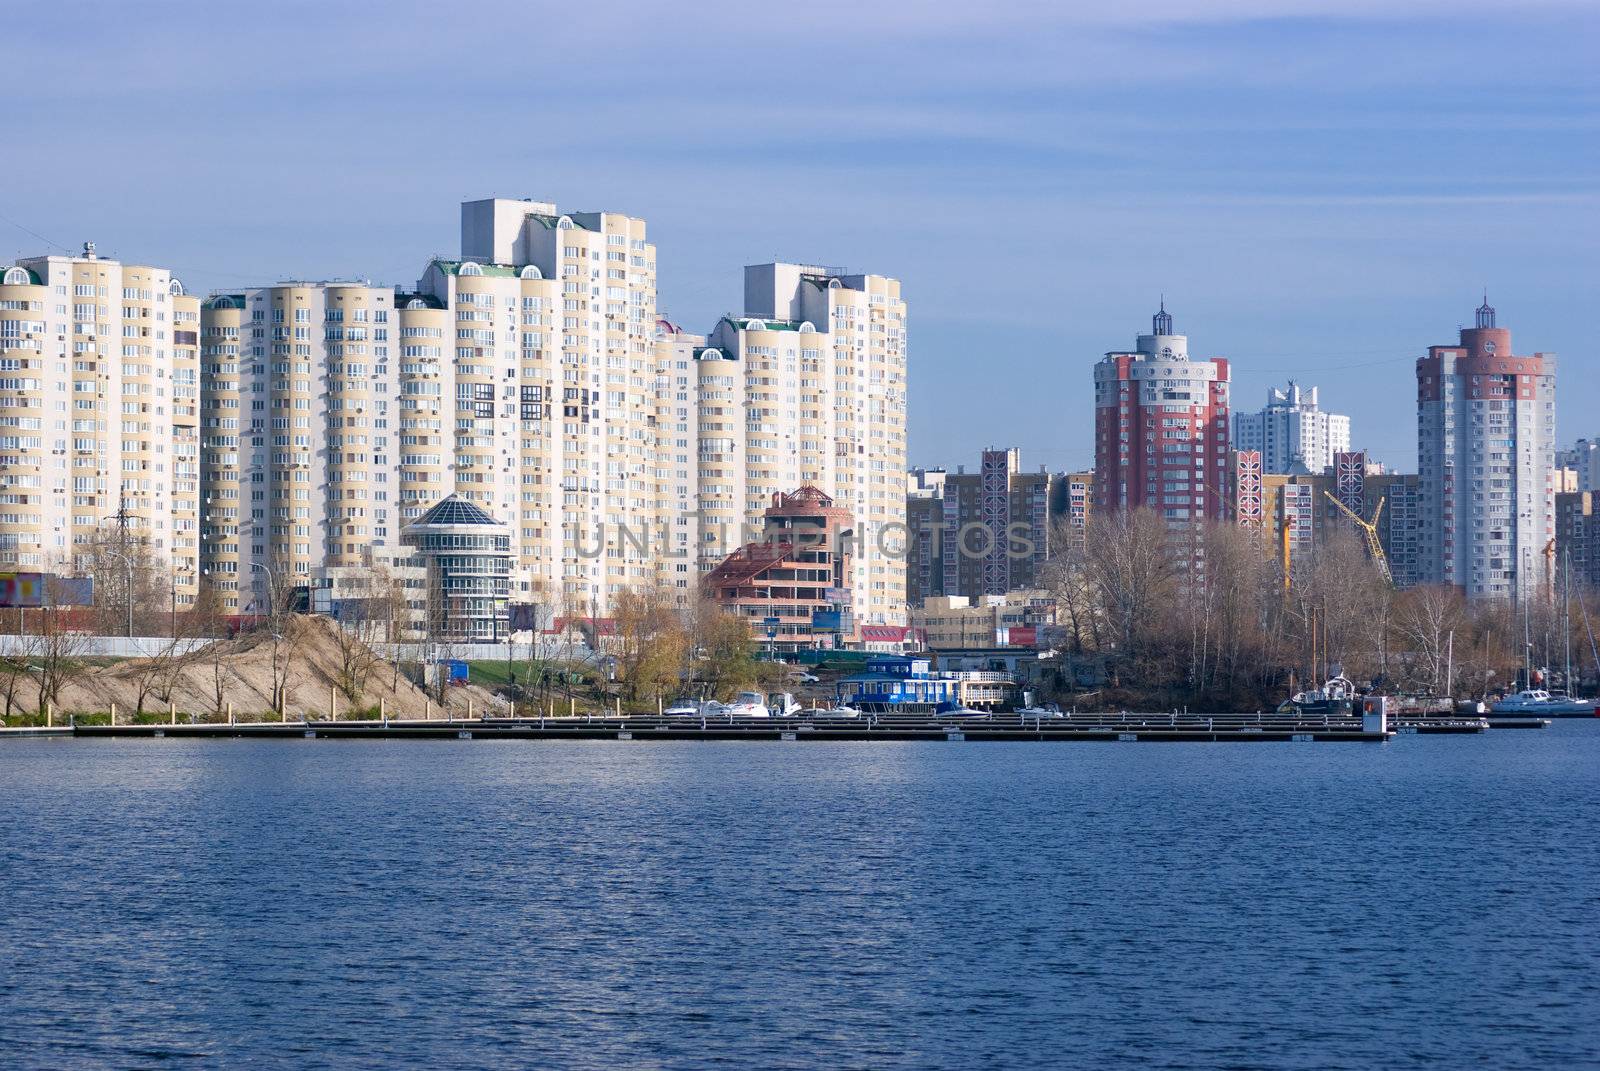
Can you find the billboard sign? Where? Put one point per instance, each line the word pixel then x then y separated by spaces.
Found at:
pixel 22 589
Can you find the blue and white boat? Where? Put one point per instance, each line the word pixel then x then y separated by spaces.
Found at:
pixel 1536 702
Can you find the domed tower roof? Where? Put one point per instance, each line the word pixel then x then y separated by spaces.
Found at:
pixel 455 510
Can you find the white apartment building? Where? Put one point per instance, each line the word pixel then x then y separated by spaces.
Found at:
pixel 678 505
pixel 1292 433
pixel 1485 446
pixel 99 369
pixel 521 376
pixel 1583 458
pixel 532 377
pixel 809 387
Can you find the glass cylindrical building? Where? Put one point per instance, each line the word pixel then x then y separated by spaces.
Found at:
pixel 468 558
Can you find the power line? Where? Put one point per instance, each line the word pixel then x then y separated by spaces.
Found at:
pixel 34 233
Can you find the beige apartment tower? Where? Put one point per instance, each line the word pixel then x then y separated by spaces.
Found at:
pixel 532 377
pixel 99 415
pixel 808 387
pixel 521 376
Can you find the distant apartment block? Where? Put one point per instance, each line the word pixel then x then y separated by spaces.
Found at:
pixel 1577 547
pixel 1582 459
pixel 1295 516
pixel 986 532
pixel 1292 433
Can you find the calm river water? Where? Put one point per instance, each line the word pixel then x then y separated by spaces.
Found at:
pixel 1431 902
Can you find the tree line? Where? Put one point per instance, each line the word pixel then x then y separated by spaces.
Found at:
pixel 1205 616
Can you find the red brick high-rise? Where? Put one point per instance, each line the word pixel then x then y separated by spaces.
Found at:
pixel 1161 428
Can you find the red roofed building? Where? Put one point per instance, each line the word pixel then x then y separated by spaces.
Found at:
pixel 790 585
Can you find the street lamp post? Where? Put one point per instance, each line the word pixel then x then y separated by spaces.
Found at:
pixel 272 624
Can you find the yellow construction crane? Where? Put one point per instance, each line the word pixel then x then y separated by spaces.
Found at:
pixel 1370 530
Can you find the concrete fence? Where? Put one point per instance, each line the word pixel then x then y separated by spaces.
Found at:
pixel 105 646
pixel 149 646
pixel 488 652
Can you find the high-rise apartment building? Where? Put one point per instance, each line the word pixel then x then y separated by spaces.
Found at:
pixel 1577 551
pixel 1161 427
pixel 531 377
pixel 522 377
pixel 1292 433
pixel 978 533
pixel 1485 446
pixel 1583 459
pixel 808 388
pixel 99 414
pixel 678 504
pixel 298 385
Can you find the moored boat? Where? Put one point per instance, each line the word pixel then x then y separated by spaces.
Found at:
pixel 1540 703
pixel 1335 699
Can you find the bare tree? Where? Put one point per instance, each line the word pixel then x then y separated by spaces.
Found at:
pixel 1425 620
pixel 1066 575
pixel 132 584
pixel 1134 568
pixel 15 668
pixel 363 619
pixel 210 621
pixel 60 657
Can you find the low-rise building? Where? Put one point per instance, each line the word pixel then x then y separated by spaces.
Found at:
pixel 1015 619
pixel 894 683
pixel 793 586
pixel 467 557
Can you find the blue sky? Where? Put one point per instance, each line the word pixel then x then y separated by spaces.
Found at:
pixel 1321 188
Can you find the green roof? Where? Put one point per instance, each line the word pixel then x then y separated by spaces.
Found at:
pixel 504 271
pixel 33 276
pixel 549 222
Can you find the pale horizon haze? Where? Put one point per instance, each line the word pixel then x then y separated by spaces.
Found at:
pixel 1320 189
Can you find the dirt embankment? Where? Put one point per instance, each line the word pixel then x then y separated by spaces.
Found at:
pixel 309 646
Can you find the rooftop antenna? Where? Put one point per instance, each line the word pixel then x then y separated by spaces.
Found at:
pixel 1161 323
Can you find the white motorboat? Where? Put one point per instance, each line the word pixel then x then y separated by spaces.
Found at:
pixel 1540 703
pixel 747 705
pixel 783 705
pixel 684 708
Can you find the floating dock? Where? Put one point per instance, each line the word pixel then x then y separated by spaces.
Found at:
pixel 1216 728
